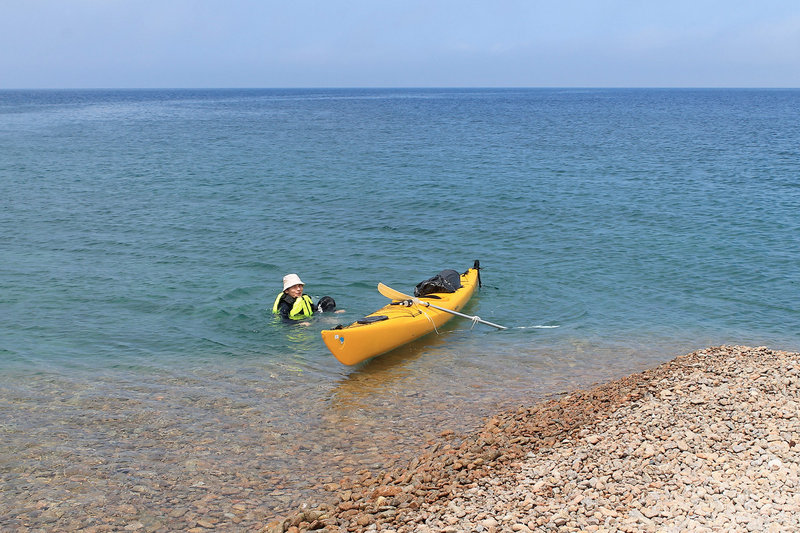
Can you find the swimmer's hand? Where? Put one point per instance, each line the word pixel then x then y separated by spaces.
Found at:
pixel 304 324
pixel 339 311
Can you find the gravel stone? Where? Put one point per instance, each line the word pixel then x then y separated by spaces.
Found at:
pixel 705 442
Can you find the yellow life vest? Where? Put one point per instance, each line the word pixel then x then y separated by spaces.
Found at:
pixel 302 308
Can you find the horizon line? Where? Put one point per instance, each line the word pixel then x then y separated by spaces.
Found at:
pixel 409 87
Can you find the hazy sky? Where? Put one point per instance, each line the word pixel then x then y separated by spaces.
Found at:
pixel 409 43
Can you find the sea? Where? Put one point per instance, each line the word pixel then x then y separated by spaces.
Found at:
pixel 144 235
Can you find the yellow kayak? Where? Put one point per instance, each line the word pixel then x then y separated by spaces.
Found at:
pixel 397 324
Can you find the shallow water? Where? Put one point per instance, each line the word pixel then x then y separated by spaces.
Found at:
pixel 145 234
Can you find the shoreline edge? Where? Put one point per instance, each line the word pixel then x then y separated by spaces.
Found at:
pixel 706 441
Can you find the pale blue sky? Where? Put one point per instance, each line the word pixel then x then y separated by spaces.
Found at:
pixel 410 43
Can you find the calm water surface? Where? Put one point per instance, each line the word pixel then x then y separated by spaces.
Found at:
pixel 145 234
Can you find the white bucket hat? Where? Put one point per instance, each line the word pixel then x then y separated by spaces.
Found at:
pixel 290 280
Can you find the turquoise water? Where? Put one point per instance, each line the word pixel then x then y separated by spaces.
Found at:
pixel 145 234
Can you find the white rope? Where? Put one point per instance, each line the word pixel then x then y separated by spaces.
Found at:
pixel 429 318
pixel 475 320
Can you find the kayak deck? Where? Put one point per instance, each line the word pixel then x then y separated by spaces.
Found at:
pixel 395 325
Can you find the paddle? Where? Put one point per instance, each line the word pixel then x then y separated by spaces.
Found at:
pixel 397 295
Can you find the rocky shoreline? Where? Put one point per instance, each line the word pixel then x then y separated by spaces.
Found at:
pixel 705 442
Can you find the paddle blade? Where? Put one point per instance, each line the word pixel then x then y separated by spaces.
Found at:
pixel 393 294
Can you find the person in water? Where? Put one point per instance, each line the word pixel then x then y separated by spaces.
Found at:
pixel 292 304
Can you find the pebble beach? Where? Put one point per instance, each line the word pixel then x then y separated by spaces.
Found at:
pixel 705 442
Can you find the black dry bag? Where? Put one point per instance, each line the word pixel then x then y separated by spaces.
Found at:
pixel 444 281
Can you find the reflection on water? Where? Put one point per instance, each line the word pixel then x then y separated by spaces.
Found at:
pixel 384 376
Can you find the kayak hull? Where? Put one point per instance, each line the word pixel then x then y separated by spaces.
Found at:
pixel 358 342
